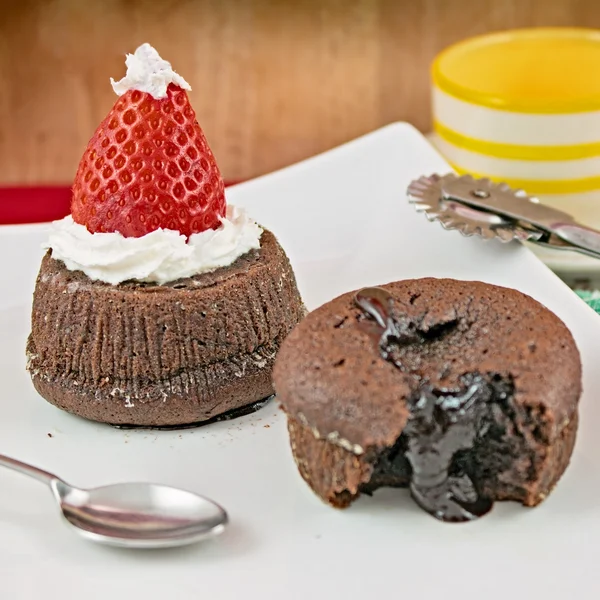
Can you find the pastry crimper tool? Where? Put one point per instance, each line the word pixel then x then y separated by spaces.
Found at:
pixel 494 210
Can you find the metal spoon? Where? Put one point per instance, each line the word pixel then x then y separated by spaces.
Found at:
pixel 132 515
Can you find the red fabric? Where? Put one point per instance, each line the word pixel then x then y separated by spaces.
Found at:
pixel 33 204
pixel 20 205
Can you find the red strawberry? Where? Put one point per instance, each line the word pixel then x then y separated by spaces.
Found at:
pixel 148 166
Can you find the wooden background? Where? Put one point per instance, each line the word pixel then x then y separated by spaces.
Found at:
pixel 273 81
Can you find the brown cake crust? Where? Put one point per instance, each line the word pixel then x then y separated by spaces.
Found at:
pixel 346 405
pixel 162 355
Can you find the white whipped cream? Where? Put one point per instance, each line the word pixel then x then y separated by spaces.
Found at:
pixel 148 72
pixel 160 256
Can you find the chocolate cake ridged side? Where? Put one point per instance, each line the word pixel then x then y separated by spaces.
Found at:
pixel 161 355
pixel 332 472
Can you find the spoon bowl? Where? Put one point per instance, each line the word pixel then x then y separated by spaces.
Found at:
pixel 140 515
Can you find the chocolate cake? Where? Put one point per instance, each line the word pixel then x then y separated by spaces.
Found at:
pixel 162 355
pixel 158 303
pixel 464 392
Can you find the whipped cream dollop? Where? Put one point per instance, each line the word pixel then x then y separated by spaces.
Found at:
pixel 159 257
pixel 148 72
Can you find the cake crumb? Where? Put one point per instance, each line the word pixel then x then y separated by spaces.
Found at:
pixel 267 426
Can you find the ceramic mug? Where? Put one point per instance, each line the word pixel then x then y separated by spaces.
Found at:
pixel 523 107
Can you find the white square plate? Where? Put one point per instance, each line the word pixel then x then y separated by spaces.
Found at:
pixel 345 223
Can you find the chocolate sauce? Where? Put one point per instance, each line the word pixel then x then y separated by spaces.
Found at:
pixel 234 413
pixel 389 332
pixel 442 423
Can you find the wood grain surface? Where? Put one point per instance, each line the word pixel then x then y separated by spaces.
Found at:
pixel 274 81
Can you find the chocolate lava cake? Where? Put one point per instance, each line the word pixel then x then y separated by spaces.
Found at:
pixel 162 355
pixel 464 392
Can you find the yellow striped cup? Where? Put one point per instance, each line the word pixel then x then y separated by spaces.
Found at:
pixel 523 107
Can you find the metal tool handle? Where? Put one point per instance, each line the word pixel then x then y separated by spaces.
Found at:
pixel 499 199
pixel 578 235
pixel 502 200
pixel 25 469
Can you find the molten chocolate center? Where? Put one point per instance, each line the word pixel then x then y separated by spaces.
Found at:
pixel 442 426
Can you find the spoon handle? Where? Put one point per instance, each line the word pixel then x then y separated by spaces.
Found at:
pixel 21 467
